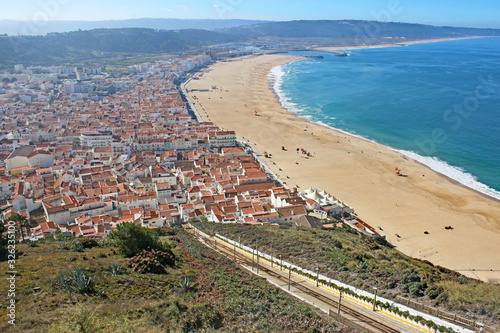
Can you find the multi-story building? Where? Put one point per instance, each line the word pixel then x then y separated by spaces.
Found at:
pixel 96 139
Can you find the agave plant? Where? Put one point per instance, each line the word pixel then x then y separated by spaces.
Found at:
pixel 116 269
pixel 81 281
pixel 185 284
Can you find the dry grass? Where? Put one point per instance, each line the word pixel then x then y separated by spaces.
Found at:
pixel 221 297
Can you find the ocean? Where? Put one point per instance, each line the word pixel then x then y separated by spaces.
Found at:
pixel 438 103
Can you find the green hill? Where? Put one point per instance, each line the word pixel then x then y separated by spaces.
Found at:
pixel 59 47
pixel 354 30
pixel 349 257
pixel 203 292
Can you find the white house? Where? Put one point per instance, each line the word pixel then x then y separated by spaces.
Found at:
pixel 42 158
pixel 18 158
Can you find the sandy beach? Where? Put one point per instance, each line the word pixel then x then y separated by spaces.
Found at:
pixel 340 48
pixel 359 172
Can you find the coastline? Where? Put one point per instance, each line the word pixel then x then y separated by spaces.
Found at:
pixel 358 171
pixel 332 49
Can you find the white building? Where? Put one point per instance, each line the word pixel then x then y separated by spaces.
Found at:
pixel 96 139
pixel 222 139
pixel 327 201
pixel 18 158
pixel 5 188
pixel 75 87
pixel 42 158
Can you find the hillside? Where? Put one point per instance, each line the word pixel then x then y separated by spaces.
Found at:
pixel 345 255
pixel 355 30
pixel 201 293
pixel 14 28
pixel 59 47
pixel 82 45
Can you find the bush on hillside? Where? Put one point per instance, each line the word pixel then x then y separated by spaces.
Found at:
pixel 131 239
pixel 154 261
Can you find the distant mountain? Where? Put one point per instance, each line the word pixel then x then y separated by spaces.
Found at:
pixel 15 28
pixel 81 45
pixel 355 31
pixel 84 45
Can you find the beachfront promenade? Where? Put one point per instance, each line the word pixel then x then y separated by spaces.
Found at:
pixel 274 177
pixel 190 102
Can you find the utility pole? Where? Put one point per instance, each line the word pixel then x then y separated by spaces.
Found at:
pixel 281 262
pixel 234 251
pixel 253 256
pixel 340 301
pixel 289 276
pixel 257 252
pixel 375 299
pixel 272 258
pixel 317 277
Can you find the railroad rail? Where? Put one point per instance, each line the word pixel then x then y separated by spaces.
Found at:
pixel 354 317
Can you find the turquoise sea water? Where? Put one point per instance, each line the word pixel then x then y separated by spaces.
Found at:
pixel 438 103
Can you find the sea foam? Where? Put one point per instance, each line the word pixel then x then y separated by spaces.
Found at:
pixel 455 173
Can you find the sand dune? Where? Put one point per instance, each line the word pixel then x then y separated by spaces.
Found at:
pixel 358 172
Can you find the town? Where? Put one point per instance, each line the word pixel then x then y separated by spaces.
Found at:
pixel 82 151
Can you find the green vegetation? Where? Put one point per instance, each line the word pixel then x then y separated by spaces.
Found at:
pixel 355 31
pixel 23 223
pixel 351 258
pixel 104 46
pixel 152 261
pixel 76 280
pixel 131 239
pixel 3 242
pixel 91 45
pixel 62 290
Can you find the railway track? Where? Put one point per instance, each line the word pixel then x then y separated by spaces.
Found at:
pixel 361 319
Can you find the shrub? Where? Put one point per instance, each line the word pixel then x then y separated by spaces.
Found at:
pixel 154 261
pixel 65 246
pixel 81 318
pixel 131 239
pixel 202 317
pixel 78 247
pixel 417 288
pixel 103 242
pixel 88 242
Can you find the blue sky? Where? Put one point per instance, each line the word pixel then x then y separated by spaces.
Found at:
pixel 482 13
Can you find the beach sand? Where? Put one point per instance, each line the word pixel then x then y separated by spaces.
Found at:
pixel 421 41
pixel 356 171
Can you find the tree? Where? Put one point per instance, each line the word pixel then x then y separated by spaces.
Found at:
pixel 3 241
pixel 131 239
pixel 23 223
pixel 6 80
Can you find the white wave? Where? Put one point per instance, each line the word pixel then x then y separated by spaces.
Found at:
pixel 456 173
pixel 276 77
pixel 453 172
